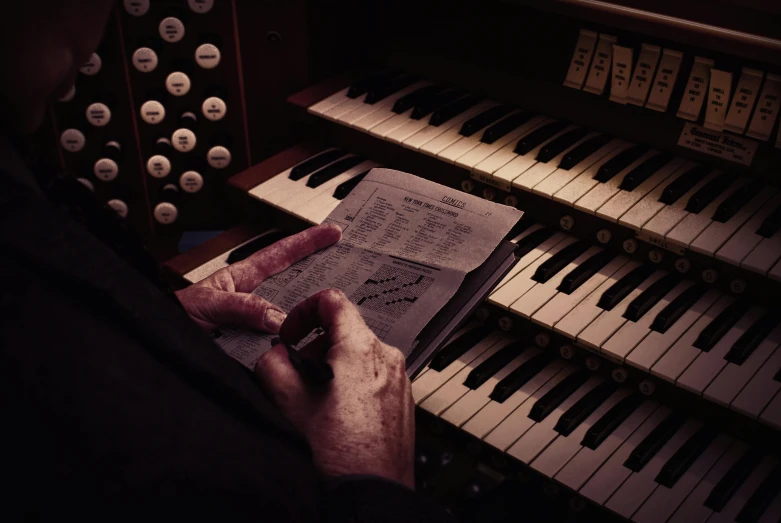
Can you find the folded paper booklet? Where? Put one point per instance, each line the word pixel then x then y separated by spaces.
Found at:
pixel 415 258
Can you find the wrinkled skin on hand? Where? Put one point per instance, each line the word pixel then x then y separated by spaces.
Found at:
pixel 362 422
pixel 225 297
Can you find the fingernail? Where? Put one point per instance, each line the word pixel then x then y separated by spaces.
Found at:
pixel 274 319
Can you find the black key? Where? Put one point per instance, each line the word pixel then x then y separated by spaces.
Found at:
pixel 554 397
pixel 603 428
pixel 619 290
pixel 538 137
pixel 453 109
pixel 709 192
pixel 518 378
pixel 650 297
pixel 363 85
pixel 496 362
pixel 644 171
pixel 502 127
pixel 771 224
pixel 732 480
pixel 441 100
pixel 345 188
pixel 484 119
pixel 558 261
pixel 315 162
pixel 750 340
pixel 648 448
pixel 583 151
pixel 717 328
pixel 736 201
pixel 455 349
pixel 531 241
pixel 582 273
pixel 384 90
pixel 762 498
pixel 685 456
pixel 253 246
pixel 521 225
pixel 619 162
pixel 418 96
pixel 684 183
pixel 560 144
pixel 582 409
pixel 675 309
pixel 333 170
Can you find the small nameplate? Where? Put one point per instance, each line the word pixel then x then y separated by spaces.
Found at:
pixel 659 241
pixel 581 59
pixel 721 145
pixel 696 87
pixel 488 180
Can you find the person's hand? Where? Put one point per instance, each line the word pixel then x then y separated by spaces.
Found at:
pixel 226 296
pixel 362 422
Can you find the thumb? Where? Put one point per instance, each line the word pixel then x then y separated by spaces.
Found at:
pixel 278 377
pixel 212 308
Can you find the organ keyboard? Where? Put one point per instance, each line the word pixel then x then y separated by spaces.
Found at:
pixel 632 355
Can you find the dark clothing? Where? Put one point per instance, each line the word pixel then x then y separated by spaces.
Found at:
pixel 115 404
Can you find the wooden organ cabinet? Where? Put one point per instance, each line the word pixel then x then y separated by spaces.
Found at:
pixel 630 362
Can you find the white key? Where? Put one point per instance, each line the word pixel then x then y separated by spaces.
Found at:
pixel 505 295
pixel 466 143
pixel 636 489
pixel 744 492
pixel 587 461
pixel 585 181
pixel 561 304
pixel 716 234
pixel 304 195
pixel 494 412
pixel 400 134
pixel 335 112
pixel 288 189
pixel 307 208
pixel 764 256
pixel 622 201
pixel 612 474
pixel 642 211
pixel 540 171
pixel 561 177
pixel 761 389
pixel 215 264
pixel 602 192
pixel 773 513
pixel 511 171
pixel 504 155
pixel 563 448
pixel 601 329
pixel 381 130
pixel 383 107
pixel 772 413
pixel 322 211
pixel 440 142
pixel 733 378
pixel 671 215
pixel 426 385
pixel 693 509
pixel 679 357
pixel 329 103
pixel 701 372
pixel 631 333
pixel 474 400
pixel 542 293
pixel 664 501
pixel 690 227
pixel 454 389
pixel 518 422
pixel 541 434
pixel 485 150
pixel 587 311
pixel 524 260
pixel 656 344
pixel 427 134
pixel 279 182
pixel 743 242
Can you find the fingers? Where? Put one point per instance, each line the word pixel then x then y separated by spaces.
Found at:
pixel 249 273
pixel 328 309
pixel 278 377
pixel 212 308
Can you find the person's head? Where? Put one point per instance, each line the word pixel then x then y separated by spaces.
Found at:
pixel 44 42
